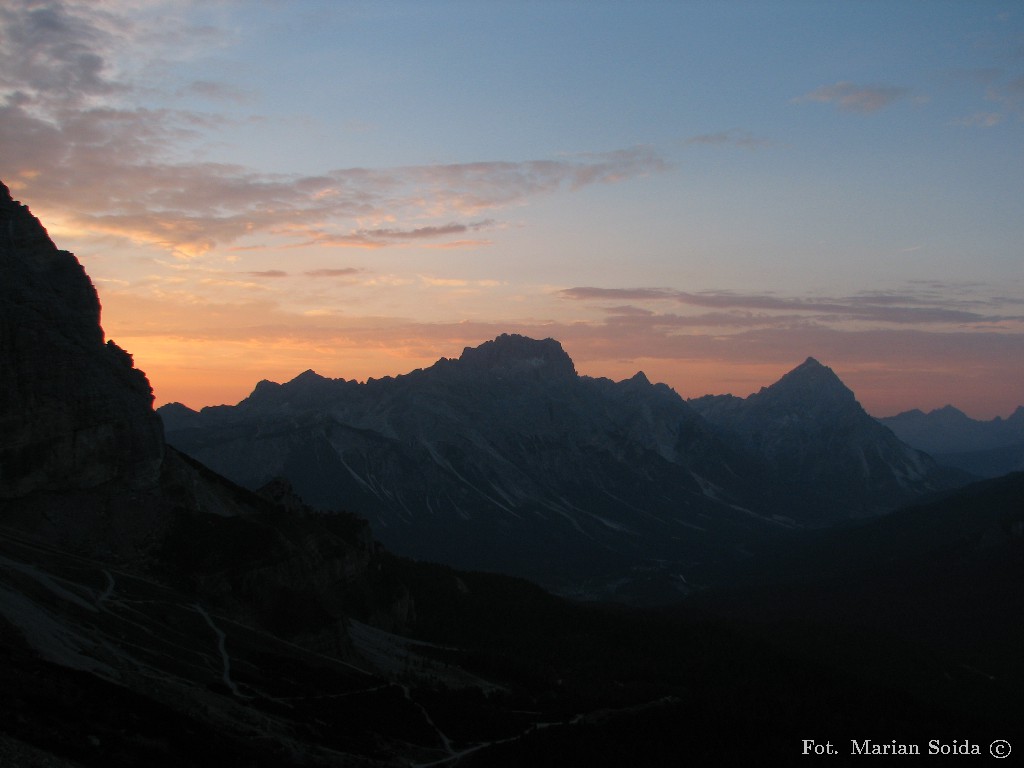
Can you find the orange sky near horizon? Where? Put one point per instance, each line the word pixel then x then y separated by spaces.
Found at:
pixel 226 373
pixel 361 188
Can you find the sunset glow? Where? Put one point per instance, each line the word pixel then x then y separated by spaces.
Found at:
pixel 708 192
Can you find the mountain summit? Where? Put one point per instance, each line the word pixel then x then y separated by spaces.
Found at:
pixel 515 355
pixel 828 457
pixel 810 385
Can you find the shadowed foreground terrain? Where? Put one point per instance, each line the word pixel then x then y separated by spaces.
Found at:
pixel 877 631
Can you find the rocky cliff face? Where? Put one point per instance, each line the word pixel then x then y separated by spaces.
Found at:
pixel 84 466
pixel 74 411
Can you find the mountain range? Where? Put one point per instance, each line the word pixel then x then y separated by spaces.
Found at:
pixel 154 613
pixel 983 448
pixel 506 459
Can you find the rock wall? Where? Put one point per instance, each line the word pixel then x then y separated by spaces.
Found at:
pixel 74 411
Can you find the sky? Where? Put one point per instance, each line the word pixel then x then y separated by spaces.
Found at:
pixel 707 191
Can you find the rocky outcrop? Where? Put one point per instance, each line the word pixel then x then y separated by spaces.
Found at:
pixel 74 411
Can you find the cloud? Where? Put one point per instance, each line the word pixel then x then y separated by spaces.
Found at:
pixel 458 244
pixel 47 51
pixel 103 170
pixel 449 282
pixel 386 236
pixel 903 308
pixel 272 273
pixel 982 120
pixel 1010 96
pixel 730 138
pixel 73 140
pixel 215 91
pixel 855 98
pixel 340 272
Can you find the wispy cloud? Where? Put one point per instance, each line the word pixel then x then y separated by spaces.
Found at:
pixel 101 169
pixel 214 91
pixel 327 272
pixel 454 282
pixel 452 244
pixel 850 97
pixel 1009 96
pixel 387 236
pixel 896 308
pixel 982 120
pixel 74 140
pixel 1002 90
pixel 733 138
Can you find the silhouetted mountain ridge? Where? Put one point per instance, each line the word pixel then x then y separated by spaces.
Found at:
pixel 984 448
pixel 506 459
pixel 826 453
pixel 503 458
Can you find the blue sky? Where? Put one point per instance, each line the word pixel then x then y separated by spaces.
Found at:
pixel 708 191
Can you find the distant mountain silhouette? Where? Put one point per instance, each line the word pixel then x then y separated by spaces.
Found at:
pixel 984 448
pixel 830 459
pixel 505 459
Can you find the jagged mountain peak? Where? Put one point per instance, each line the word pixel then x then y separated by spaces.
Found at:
pixel 511 355
pixel 307 376
pixel 307 390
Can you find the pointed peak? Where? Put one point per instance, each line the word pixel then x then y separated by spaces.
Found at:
pixel 175 408
pixel 640 378
pixel 810 364
pixel 5 194
pixel 810 382
pixel 306 376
